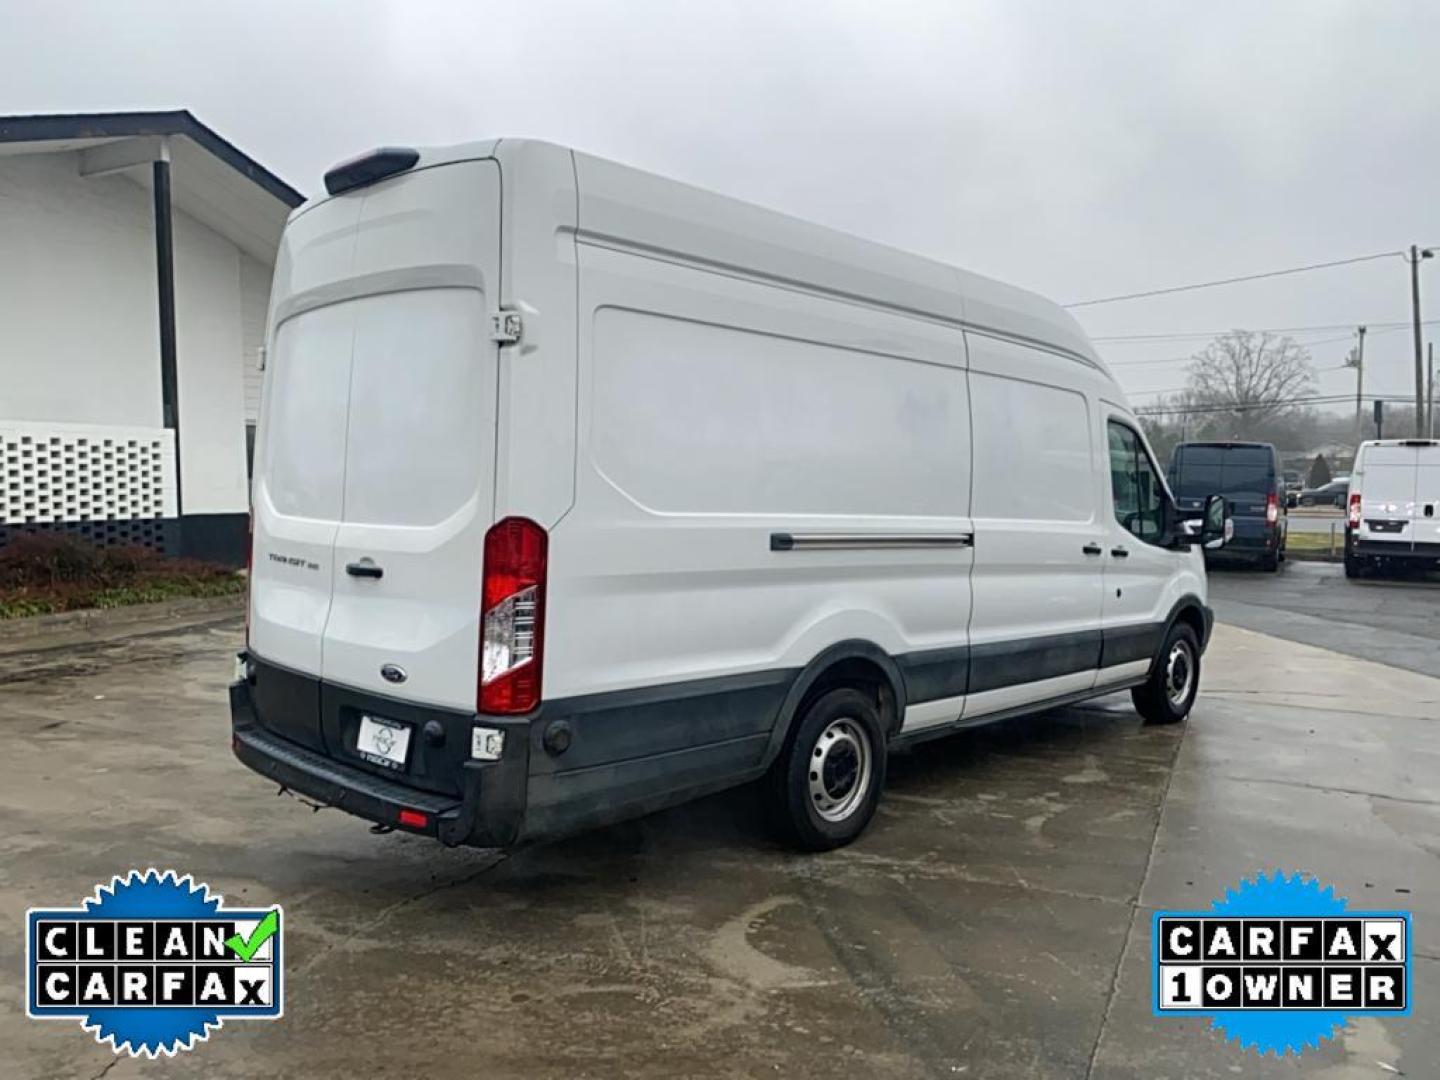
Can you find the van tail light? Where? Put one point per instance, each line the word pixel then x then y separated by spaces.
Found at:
pixel 1272 509
pixel 1354 518
pixel 512 625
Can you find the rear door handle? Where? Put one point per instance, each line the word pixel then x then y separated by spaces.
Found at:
pixel 1091 549
pixel 364 568
pixel 1119 553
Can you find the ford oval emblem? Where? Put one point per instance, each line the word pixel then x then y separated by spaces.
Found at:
pixel 393 673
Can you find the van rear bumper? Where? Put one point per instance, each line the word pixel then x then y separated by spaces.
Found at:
pixel 489 813
pixel 1399 550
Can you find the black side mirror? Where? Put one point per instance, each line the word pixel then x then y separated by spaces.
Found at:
pixel 1215 526
pixel 1211 530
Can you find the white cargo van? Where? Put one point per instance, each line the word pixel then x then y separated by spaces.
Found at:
pixel 580 492
pixel 1393 518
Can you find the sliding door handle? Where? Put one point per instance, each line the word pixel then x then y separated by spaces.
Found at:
pixel 1119 553
pixel 364 568
pixel 1091 549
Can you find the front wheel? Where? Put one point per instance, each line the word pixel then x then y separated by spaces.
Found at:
pixel 1167 695
pixel 824 786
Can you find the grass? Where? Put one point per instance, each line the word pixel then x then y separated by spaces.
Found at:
pixel 41 574
pixel 1314 543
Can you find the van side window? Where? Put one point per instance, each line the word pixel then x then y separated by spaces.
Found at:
pixel 1139 499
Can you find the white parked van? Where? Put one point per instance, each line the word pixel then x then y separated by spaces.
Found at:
pixel 1393 517
pixel 580 492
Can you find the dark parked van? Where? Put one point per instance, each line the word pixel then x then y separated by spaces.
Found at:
pixel 1248 474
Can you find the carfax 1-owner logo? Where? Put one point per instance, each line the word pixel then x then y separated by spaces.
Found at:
pixel 1280 963
pixel 153 962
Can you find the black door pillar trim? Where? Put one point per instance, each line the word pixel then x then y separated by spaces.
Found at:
pixel 165 288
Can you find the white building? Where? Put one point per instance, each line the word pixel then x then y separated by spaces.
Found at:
pixel 136 252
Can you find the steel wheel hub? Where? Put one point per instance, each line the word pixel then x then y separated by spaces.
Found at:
pixel 1179 673
pixel 840 767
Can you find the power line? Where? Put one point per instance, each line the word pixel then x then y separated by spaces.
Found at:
pixel 1234 280
pixel 1180 335
pixel 1327 399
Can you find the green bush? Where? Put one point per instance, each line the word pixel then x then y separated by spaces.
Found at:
pixel 43 573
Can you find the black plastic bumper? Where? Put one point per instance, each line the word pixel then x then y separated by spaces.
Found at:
pixel 488 812
pixel 1397 550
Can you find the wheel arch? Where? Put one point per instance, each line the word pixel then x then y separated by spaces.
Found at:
pixel 846 663
pixel 1193 612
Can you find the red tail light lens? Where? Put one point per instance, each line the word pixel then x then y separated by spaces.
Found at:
pixel 414 819
pixel 1354 510
pixel 1272 509
pixel 512 630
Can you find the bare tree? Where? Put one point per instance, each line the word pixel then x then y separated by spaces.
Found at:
pixel 1249 380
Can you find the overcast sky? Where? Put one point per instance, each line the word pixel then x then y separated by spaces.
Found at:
pixel 1079 149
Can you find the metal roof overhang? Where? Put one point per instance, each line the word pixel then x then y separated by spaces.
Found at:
pixel 211 180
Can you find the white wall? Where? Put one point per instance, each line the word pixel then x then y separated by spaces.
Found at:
pixel 254 300
pixel 212 394
pixel 79 338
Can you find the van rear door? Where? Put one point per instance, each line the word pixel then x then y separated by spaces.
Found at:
pixel 1387 494
pixel 377 474
pixel 420 439
pixel 1427 496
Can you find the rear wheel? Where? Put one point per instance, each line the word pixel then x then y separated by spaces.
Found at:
pixel 1353 568
pixel 1270 561
pixel 1166 696
pixel 824 786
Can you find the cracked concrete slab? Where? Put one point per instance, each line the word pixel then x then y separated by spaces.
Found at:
pixel 989 924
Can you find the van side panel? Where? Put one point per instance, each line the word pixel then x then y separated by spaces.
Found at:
pixel 535 442
pixel 715 412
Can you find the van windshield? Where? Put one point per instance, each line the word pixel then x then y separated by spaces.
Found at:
pixel 1233 471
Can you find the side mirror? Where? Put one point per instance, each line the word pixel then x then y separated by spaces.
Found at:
pixel 1215 527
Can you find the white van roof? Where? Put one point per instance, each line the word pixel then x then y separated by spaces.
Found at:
pixel 629 208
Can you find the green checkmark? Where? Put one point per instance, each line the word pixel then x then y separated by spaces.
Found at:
pixel 246 948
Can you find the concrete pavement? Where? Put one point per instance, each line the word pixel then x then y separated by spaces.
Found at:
pixel 993 922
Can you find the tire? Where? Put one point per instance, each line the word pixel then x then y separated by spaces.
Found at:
pixel 1159 700
pixel 1270 561
pixel 1352 567
pixel 828 805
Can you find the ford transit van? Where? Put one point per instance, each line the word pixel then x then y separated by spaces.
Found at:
pixel 580 492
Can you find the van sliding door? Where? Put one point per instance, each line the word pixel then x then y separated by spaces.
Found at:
pixel 1035 623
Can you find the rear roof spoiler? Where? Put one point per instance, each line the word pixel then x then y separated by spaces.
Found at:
pixel 368 168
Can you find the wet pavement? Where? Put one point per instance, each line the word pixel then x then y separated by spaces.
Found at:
pixel 993 922
pixel 1394 621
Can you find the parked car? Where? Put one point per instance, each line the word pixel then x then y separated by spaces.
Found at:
pixel 1248 474
pixel 1331 494
pixel 589 492
pixel 1393 512
pixel 1293 486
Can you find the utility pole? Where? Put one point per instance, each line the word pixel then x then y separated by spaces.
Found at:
pixel 1356 359
pixel 1430 406
pixel 1416 254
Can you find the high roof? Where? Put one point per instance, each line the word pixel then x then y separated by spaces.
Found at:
pixel 620 203
pixel 211 179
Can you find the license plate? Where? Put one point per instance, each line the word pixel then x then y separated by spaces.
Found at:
pixel 383 742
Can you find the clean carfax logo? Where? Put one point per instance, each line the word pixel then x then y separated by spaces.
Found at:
pixel 1280 963
pixel 152 962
